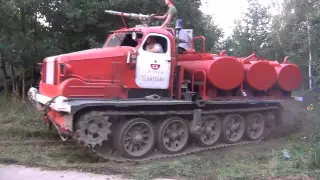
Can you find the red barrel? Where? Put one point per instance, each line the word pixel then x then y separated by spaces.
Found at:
pixel 225 73
pixel 194 56
pixel 289 76
pixel 260 75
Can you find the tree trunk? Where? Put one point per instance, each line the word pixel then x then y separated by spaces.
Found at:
pixel 13 79
pixel 23 78
pixel 4 73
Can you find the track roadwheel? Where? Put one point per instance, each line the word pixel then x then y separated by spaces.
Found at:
pixel 173 135
pixel 255 126
pixel 210 130
pixel 136 138
pixel 233 128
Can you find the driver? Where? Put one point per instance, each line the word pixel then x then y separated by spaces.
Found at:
pixel 153 46
pixel 170 17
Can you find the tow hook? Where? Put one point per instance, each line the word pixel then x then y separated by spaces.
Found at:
pixel 63 136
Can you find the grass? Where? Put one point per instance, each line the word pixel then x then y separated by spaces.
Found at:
pixel 263 161
pixel 258 165
pixel 19 122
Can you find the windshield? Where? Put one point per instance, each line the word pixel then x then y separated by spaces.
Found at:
pixel 122 39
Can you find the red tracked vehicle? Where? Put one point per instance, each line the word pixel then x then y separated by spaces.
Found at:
pixel 127 104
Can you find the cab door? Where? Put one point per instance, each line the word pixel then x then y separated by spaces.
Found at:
pixel 153 69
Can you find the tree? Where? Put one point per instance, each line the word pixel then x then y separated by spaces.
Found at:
pixel 251 32
pixel 299 35
pixel 24 40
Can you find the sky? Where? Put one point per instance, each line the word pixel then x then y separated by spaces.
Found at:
pixel 224 12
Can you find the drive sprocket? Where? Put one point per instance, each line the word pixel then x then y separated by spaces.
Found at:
pixel 93 128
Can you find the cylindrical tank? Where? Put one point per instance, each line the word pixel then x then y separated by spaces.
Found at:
pixel 225 73
pixel 193 56
pixel 260 75
pixel 289 76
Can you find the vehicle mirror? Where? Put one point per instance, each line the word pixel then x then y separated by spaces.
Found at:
pixel 128 57
pixel 132 58
pixel 134 36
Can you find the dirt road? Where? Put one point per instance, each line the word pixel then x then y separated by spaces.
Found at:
pixel 15 172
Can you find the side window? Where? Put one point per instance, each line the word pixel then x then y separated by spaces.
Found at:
pixel 129 41
pixel 122 39
pixel 156 44
pixel 114 40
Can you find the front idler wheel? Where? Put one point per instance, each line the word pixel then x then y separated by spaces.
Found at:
pixel 136 138
pixel 173 135
pixel 210 131
pixel 255 126
pixel 233 128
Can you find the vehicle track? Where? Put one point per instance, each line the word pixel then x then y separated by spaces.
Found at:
pixel 108 152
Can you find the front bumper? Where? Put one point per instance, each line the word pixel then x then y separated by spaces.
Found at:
pixel 59 104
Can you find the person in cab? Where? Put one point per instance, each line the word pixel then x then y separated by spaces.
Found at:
pixel 153 46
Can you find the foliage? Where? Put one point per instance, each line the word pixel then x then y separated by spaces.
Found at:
pixel 34 29
pixel 251 32
pixel 275 36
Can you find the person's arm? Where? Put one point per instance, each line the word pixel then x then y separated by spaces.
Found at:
pixel 165 23
pixel 159 17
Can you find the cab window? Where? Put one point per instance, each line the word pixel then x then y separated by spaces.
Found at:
pixel 122 39
pixel 156 44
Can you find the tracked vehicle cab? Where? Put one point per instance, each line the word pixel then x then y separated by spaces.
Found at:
pixel 141 60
